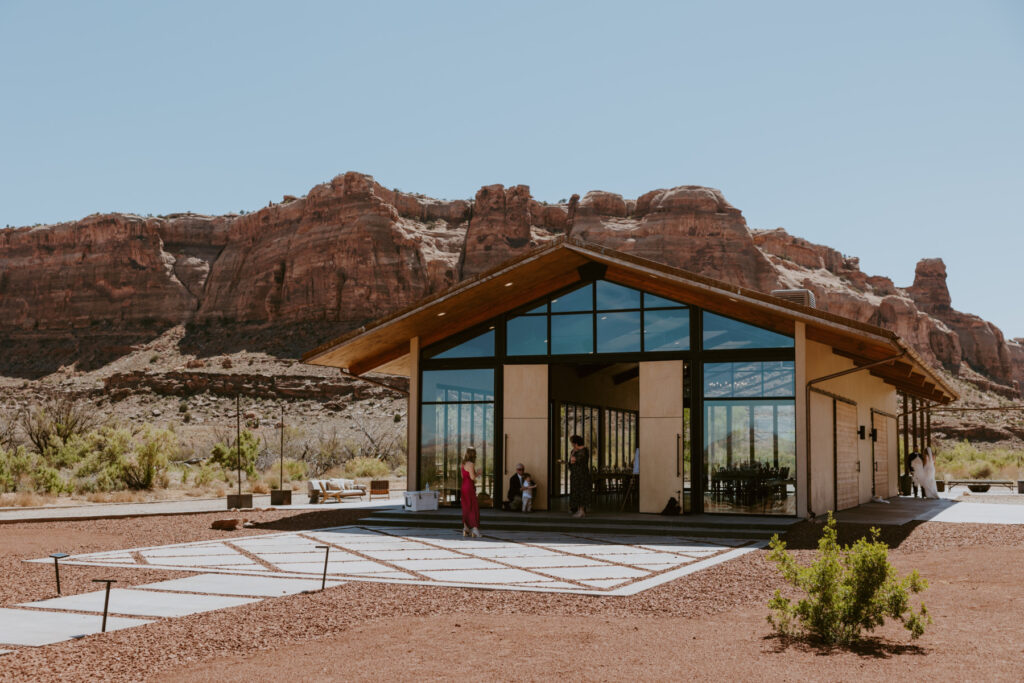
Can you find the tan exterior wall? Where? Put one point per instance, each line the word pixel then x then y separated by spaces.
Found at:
pixel 661 428
pixel 525 426
pixel 412 443
pixel 867 392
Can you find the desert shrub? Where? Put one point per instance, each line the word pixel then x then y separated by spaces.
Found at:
pixel 99 469
pixel 367 467
pixel 260 487
pixel 46 479
pixel 400 471
pixel 59 418
pixel 146 466
pixel 980 470
pixel 228 456
pixel 326 452
pixel 15 463
pixel 294 470
pixel 64 454
pixel 849 590
pixel 205 474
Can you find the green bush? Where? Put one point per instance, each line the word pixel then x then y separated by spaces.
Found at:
pixel 15 463
pixel 367 467
pixel 148 463
pixel 228 456
pixel 205 474
pixel 981 470
pixel 850 589
pixel 46 479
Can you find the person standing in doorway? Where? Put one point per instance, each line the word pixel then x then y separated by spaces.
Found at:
pixel 470 505
pixel 580 485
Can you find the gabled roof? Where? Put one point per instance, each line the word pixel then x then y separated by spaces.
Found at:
pixel 383 345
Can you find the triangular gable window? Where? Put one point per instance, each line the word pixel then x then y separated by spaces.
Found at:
pixel 480 346
pixel 721 333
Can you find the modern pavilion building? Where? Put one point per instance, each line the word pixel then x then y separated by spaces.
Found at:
pixel 734 401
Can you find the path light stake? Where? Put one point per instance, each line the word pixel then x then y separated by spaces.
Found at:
pixel 57 557
pixel 323 584
pixel 106 600
pixel 281 485
pixel 238 441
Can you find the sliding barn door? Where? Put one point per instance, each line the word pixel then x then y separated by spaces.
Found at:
pixel 525 427
pixel 847 463
pixel 880 423
pixel 661 434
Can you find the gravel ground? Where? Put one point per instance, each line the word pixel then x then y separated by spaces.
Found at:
pixel 713 619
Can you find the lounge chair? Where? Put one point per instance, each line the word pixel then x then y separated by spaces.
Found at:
pixel 380 487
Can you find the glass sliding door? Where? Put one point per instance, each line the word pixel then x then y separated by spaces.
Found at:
pixel 457 414
pixel 750 438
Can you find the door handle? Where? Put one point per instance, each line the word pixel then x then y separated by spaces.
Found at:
pixel 679 455
pixel 504 454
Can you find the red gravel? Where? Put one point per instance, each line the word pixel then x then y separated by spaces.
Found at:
pixel 708 623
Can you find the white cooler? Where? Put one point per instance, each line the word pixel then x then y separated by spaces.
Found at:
pixel 420 500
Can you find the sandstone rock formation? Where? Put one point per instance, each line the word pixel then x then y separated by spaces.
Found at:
pixel 296 272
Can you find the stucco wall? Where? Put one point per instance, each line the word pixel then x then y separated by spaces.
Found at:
pixel 868 392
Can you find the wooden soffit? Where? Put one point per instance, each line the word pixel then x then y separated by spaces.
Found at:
pixel 384 344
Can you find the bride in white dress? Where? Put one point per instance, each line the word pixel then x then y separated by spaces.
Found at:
pixel 923 471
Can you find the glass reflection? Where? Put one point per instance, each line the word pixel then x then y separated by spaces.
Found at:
pixel 458 385
pixel 651 301
pixel 750 457
pixel 618 332
pixel 721 333
pixel 612 297
pixel 572 333
pixel 750 379
pixel 667 330
pixel 447 430
pixel 527 336
pixel 481 346
pixel 577 300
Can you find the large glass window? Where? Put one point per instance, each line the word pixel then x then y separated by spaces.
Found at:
pixel 749 379
pixel 480 346
pixel 750 438
pixel 625 320
pixel 618 332
pixel 457 413
pixel 667 330
pixel 721 333
pixel 527 335
pixel 573 333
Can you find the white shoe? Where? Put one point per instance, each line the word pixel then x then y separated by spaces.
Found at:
pixel 475 532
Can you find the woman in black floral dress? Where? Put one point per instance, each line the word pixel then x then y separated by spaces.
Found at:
pixel 580 485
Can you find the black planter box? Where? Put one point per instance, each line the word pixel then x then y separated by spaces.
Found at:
pixel 905 483
pixel 239 500
pixel 1020 486
pixel 280 496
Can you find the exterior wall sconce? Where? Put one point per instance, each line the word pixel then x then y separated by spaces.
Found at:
pixel 874 434
pixel 861 432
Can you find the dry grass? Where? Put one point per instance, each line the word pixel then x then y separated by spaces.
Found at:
pixel 116 497
pixel 25 499
pixel 260 487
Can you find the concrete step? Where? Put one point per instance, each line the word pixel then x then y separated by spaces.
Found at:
pixel 702 526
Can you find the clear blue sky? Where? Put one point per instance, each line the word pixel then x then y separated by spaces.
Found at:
pixel 891 131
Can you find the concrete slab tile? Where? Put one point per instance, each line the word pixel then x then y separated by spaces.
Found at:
pixel 510 550
pixel 249 586
pixel 32 628
pixel 553 560
pixel 607 571
pixel 188 551
pixel 201 561
pixel 458 563
pixel 420 554
pixel 5 652
pixel 640 558
pixel 386 575
pixel 482 576
pixel 660 567
pixel 561 585
pixel 604 583
pixel 364 567
pixel 141 603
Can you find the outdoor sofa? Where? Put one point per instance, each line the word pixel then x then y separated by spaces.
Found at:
pixel 322 490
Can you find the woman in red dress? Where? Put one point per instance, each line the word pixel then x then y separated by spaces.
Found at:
pixel 470 506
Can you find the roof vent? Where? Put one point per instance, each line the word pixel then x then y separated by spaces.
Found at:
pixel 804 297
